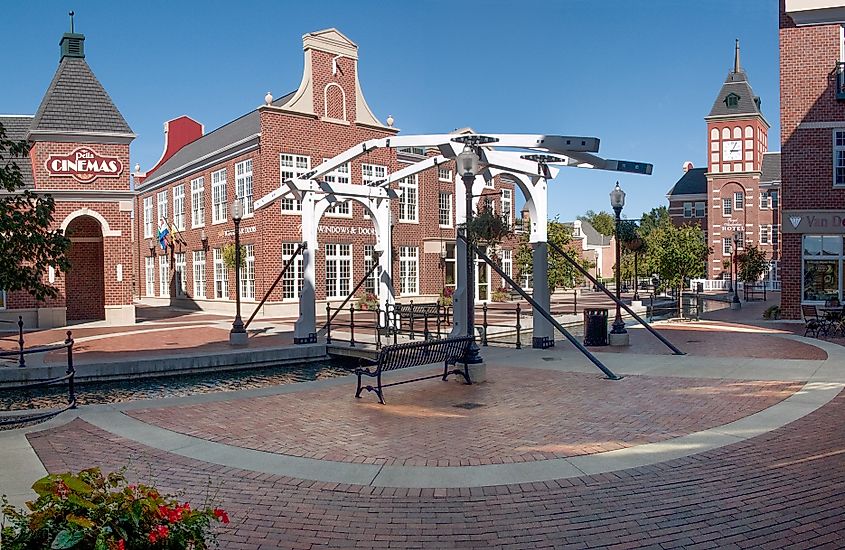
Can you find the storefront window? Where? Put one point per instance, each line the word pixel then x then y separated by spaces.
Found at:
pixel 823 255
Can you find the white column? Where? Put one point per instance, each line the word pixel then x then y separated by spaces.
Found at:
pixel 383 225
pixel 305 328
pixel 543 332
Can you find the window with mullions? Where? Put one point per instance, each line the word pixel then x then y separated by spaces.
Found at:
pixel 699 209
pixel 371 283
pixel 444 209
pixel 371 173
pixel 198 202
pixel 221 275
pixel 162 205
pixel 179 207
pixel 409 283
pixel 408 204
pixel 444 174
pixel 338 270
pixel 839 157
pixel 148 217
pixel 243 185
pixel 163 276
pixel 180 274
pixel 687 209
pixel 290 167
pixel 450 269
pixel 507 205
pixel 739 200
pixel 822 268
pixel 727 207
pixel 293 279
pixel 198 263
pixel 339 175
pixel 218 196
pixel 150 275
pixel 247 283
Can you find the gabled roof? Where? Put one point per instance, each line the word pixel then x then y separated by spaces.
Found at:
pixel 591 236
pixel 208 146
pixel 17 127
pixel 771 168
pixel 693 182
pixel 77 102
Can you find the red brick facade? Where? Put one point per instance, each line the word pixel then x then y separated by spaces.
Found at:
pixel 328 126
pixel 810 118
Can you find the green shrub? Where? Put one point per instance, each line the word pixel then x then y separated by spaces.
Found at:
pixel 93 511
pixel 772 312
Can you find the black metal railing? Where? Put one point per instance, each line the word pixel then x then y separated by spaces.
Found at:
pixel 25 415
pixel 754 292
pixel 509 325
pixel 21 354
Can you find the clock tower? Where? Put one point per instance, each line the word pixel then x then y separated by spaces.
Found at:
pixel 739 205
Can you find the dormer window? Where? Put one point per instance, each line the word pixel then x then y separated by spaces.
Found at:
pixel 732 100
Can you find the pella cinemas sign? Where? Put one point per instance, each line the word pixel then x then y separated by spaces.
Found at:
pixel 84 165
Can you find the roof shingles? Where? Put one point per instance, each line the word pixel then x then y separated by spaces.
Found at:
pixel 17 127
pixel 76 102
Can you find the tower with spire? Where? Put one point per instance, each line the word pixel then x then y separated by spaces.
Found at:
pixel 739 203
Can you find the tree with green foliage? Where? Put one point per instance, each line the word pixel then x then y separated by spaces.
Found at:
pixel 28 245
pixel 677 253
pixel 561 273
pixel 751 264
pixel 602 222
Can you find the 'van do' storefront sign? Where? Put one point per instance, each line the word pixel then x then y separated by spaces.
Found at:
pixel 84 165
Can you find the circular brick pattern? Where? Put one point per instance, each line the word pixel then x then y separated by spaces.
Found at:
pixel 519 415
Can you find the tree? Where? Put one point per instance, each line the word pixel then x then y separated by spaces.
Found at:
pixel 28 244
pixel 677 253
pixel 751 264
pixel 602 222
pixel 561 273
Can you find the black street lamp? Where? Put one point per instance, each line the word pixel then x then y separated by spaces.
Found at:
pixel 467 163
pixel 237 336
pixel 735 303
pixel 617 202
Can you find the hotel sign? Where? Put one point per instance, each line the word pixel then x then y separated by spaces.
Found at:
pixel 84 165
pixel 817 222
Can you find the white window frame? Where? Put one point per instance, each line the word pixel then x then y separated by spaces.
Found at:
pixel 444 208
pixel 179 206
pixel 507 205
pixel 371 173
pixel 688 209
pixel 409 270
pixel 765 231
pixel 294 279
pixel 727 207
pixel 409 200
pixel 198 265
pixel 727 246
pixel 699 213
pixel 292 166
pixel 180 267
pixel 338 263
pixel 163 276
pixel 198 202
pixel 150 275
pixel 444 174
pixel 246 285
pixel 148 217
pixel 243 186
pixel 221 275
pixel 161 199
pixel 371 284
pixel 739 200
pixel 507 263
pixel 839 157
pixel 219 199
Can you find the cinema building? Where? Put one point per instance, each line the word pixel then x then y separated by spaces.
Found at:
pixel 191 188
pixel 736 197
pixel 80 155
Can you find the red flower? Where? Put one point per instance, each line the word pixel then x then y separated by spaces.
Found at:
pixel 62 490
pixel 162 531
pixel 121 545
pixel 221 515
pixel 153 537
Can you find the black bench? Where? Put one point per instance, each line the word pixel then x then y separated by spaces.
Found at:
pixel 413 354
pixel 411 314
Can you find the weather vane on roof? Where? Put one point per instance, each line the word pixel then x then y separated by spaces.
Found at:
pixel 71 21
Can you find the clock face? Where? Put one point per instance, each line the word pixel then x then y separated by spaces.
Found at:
pixel 732 150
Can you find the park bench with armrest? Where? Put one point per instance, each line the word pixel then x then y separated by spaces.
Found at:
pixel 449 351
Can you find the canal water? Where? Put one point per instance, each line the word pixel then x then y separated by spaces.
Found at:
pixel 171 386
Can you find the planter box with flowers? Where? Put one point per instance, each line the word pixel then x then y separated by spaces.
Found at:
pixel 368 301
pixel 445 298
pixel 90 510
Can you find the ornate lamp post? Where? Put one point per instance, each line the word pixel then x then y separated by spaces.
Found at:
pixel 618 334
pixel 237 336
pixel 467 162
pixel 735 303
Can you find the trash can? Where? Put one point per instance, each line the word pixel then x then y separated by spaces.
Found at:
pixel 595 327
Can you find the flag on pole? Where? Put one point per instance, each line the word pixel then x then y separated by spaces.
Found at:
pixel 163 232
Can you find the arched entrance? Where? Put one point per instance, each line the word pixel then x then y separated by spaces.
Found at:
pixel 85 293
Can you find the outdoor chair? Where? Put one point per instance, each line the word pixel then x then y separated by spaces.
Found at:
pixel 812 323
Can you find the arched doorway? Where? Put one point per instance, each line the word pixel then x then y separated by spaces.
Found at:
pixel 85 293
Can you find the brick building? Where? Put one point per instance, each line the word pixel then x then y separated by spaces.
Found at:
pixel 80 155
pixel 199 175
pixel 738 193
pixel 812 51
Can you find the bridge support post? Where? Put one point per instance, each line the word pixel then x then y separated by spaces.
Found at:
pixel 543 332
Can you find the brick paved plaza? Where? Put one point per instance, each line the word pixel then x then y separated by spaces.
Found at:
pixel 740 447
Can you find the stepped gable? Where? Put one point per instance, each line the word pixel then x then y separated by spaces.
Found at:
pixel 17 128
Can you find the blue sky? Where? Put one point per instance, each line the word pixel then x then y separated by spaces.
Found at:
pixel 640 75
